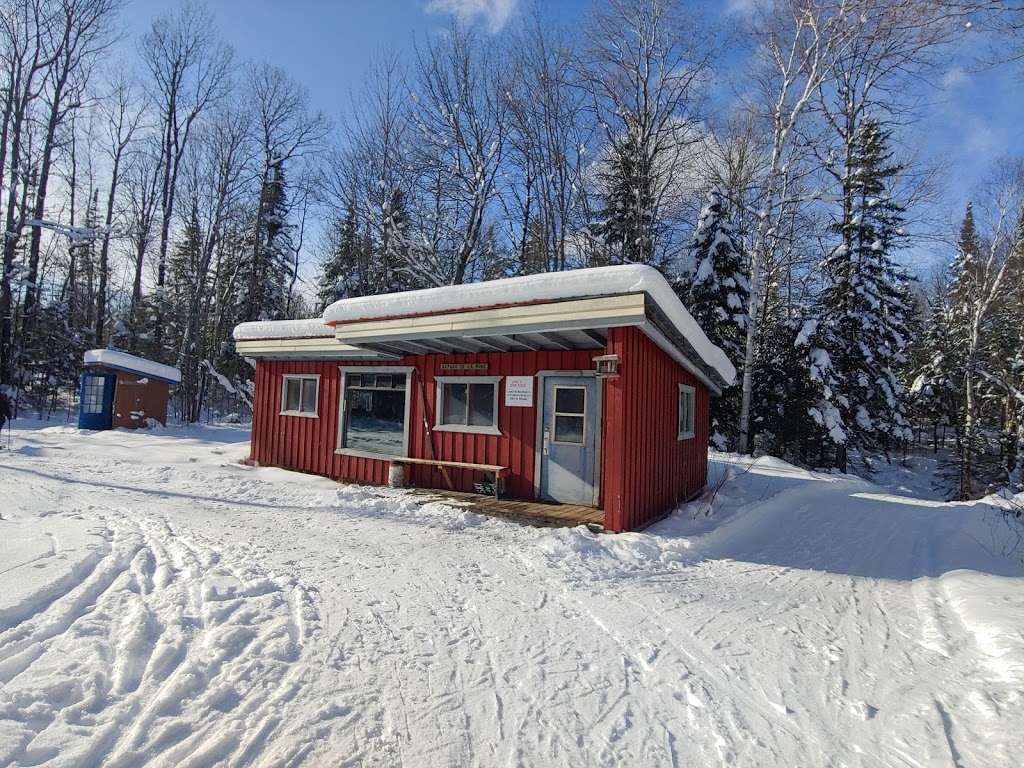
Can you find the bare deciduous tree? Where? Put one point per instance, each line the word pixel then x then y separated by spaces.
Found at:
pixel 122 114
pixel 286 130
pixel 544 190
pixel 462 108
pixel 189 70
pixel 647 67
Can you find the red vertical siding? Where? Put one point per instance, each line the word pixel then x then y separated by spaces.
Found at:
pixel 308 445
pixel 647 470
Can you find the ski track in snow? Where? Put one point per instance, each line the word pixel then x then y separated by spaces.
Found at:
pixel 168 606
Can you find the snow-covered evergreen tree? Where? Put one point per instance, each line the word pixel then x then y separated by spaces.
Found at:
pixel 866 303
pixel 933 393
pixel 625 221
pixel 344 270
pixel 794 411
pixel 712 284
pixel 394 252
pixel 271 264
pixel 971 294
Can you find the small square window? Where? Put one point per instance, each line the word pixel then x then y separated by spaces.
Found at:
pixel 299 395
pixel 687 409
pixel 468 404
pixel 569 415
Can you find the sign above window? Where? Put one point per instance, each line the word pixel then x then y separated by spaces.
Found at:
pixel 464 366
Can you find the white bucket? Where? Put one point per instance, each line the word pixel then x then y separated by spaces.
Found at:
pixel 396 475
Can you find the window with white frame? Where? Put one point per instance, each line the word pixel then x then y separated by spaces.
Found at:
pixel 299 395
pixel 375 411
pixel 687 408
pixel 569 416
pixel 467 404
pixel 92 393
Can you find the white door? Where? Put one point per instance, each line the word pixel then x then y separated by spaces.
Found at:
pixel 569 448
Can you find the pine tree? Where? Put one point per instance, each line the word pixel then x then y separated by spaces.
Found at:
pixel 1003 367
pixel 185 281
pixel 794 411
pixel 625 222
pixel 393 252
pixel 866 302
pixel 343 273
pixel 934 392
pixel 271 263
pixel 713 286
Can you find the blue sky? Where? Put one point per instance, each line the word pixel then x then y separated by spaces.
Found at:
pixel 325 44
pixel 972 120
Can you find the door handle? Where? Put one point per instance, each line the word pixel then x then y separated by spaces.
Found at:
pixel 547 441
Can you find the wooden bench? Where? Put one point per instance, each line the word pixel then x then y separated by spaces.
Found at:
pixel 495 469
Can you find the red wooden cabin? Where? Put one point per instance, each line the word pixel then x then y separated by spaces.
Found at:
pixel 589 387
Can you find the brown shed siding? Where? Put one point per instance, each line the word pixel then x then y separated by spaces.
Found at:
pixel 308 444
pixel 646 470
pixel 136 398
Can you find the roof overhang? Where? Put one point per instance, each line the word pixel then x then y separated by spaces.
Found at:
pixel 541 326
pixel 319 348
pixel 114 360
pixel 133 371
pixel 576 324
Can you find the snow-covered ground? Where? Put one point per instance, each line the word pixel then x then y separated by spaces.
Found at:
pixel 163 604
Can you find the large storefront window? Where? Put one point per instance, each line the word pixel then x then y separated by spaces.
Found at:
pixel 375 411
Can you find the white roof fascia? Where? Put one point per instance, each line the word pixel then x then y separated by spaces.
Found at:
pixel 295 349
pixel 312 328
pixel 597 312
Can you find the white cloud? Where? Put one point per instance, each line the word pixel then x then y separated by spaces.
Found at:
pixel 954 77
pixel 740 6
pixel 495 13
pixel 979 138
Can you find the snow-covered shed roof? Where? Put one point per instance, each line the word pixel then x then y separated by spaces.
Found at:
pixel 122 361
pixel 537 289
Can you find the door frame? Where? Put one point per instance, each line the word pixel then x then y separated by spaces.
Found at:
pixel 538 452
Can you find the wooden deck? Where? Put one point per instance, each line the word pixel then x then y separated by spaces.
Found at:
pixel 544 514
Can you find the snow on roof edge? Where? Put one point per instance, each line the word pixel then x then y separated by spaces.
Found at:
pixel 123 361
pixel 548 286
pixel 282 329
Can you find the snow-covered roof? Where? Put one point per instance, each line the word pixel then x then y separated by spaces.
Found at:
pixel 122 361
pixel 283 329
pixel 550 286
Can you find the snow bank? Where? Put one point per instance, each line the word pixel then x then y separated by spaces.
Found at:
pixel 551 286
pixel 313 328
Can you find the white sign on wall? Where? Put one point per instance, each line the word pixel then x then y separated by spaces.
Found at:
pixel 519 391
